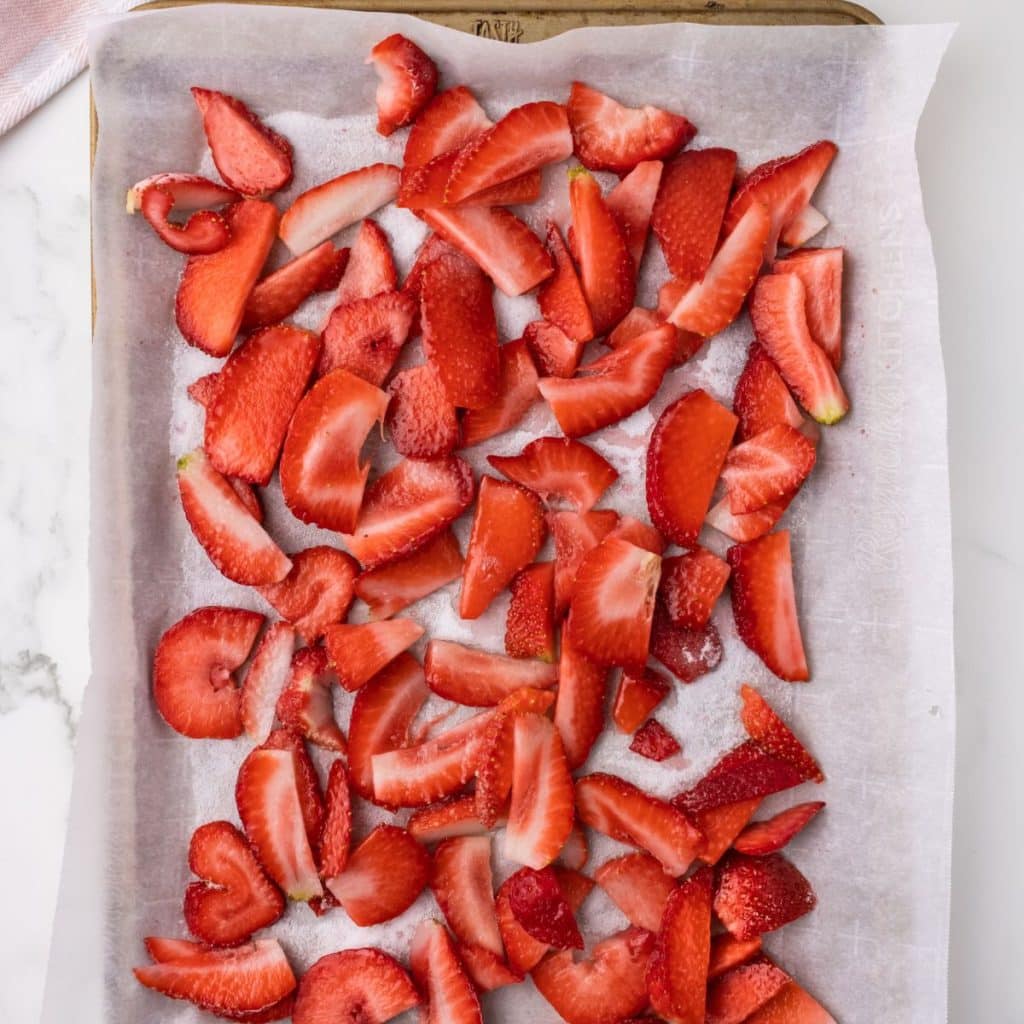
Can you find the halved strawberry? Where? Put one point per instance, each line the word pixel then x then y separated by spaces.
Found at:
pixel 486 970
pixel 579 705
pixel 446 820
pixel 621 810
pixel 250 157
pixel 803 227
pixel 324 210
pixel 605 988
pixel 687 653
pixel 366 336
pixel 530 623
pixel 193 683
pixel 678 968
pixel 408 78
pixel 761 399
pixel 637 696
pixel 654 741
pixel 463 887
pixel 362 985
pixel 316 593
pixel 189 192
pixel 358 652
pixel 321 479
pixel 337 829
pixel 690 207
pixel 460 334
pixel 204 231
pixel 450 996
pixel 690 586
pixel 821 271
pixel 792 1006
pixel 614 386
pixel 754 895
pixel 749 526
pixel 540 906
pixel 728 952
pixel 382 713
pixel 421 419
pixel 371 267
pixel 392 587
pixel 769 731
pixel 265 680
pixel 517 391
pixel 275 297
pixel 311 799
pixel 306 704
pixel 679 490
pixel 244 980
pixel 772 835
pixel 446 123
pixel 478 678
pixel 613 603
pixel 561 298
pixel 214 289
pixel 764 604
pixel 574 535
pixel 638 885
pixel 553 351
pixel 637 532
pixel 632 203
pixel 608 136
pixel 267 796
pixel 767 468
pixel 384 875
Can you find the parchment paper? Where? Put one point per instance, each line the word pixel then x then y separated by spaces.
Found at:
pixel 870 529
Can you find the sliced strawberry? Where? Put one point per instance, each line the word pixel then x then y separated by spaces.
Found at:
pixel 446 820
pixel 613 603
pixel 358 652
pixel 447 123
pixel 792 1006
pixel 306 705
pixel 761 399
pixel 561 298
pixel 574 535
pixel 802 228
pixel 226 981
pixel 765 727
pixel 573 859
pixel 728 952
pixel 384 875
pixel 324 210
pixel 654 741
pixel 614 386
pixel 553 351
pixel 779 312
pixel 421 419
pixel 690 586
pixel 821 271
pixel 767 468
pixel 637 696
pixel 721 826
pixel 678 968
pixel 687 653
pixel 523 951
pixel 337 829
pixel 383 711
pixel 398 584
pixel 214 289
pixel 579 706
pixel 636 322
pixel 517 391
pixel 267 796
pixel 530 623
pixel 450 996
pixel 486 970
pixel 478 678
pixel 426 186
pixel 690 207
pixel 639 533
pixel 311 799
pixel 749 526
pixel 632 204
pixel 460 334
pixel 160 950
pixel 408 78
pixel 203 390
pixel 638 885
pixel 508 530
pixel 784 187
pixel 770 836
pixel 540 906
pixel 605 988
pixel 754 895
pixel 366 336
pixel 276 296
pixel 266 678
pixel 621 810
pixel 371 267
pixel 204 232
pixel 463 887
pixel 362 985
pixel 189 192
pixel 193 681
pixel 679 490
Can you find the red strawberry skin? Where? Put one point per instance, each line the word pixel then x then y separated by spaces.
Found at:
pixel 408 78
pixel 636 697
pixel 517 391
pixel 765 727
pixel 275 297
pixel 421 420
pixel 754 895
pixel 553 351
pixel 365 336
pixel 687 653
pixel 761 399
pixel 540 906
pixel 337 830
pixel 204 231
pixel 763 837
pixel 561 298
pixel 632 203
pixel 530 624
pixel 690 586
pixel 654 741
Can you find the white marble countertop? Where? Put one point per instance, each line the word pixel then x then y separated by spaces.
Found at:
pixel 970 152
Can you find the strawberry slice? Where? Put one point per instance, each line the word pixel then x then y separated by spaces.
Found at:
pixel 638 885
pixel 754 895
pixel 821 271
pixel 784 186
pixel 614 386
pixel 160 950
pixel 721 826
pixel 690 586
pixel 636 697
pixel 803 227
pixel 517 390
pixel 311 800
pixel 687 653
pixel 258 389
pixel 244 980
pixel 636 322
pixel 525 139
pixel 214 289
pixel 728 952
pixel 408 78
pixel 366 336
pixel 574 535
pixel 337 828
pixel 189 192
pixel 451 998
pixel 204 232
pixel 679 491
pixel 358 652
pixel 306 705
pixel 764 604
pixel 421 420
pixel 655 742
pixel 398 584
pixel 267 796
pixel 324 210
pixel 486 970
pixel 382 713
pixel 573 859
pixel 447 123
pixel 362 985
pixel 749 526
pixel 425 186
pixel 770 836
pixel 792 1006
pixel 371 267
pixel 637 532
pixel 765 727
pixel 632 204
pixel 193 681
pixel 265 680
pixel 446 820
pixel 607 271
pixel 540 906
pixel 203 390
pixel 540 815
pixel 384 875
pixel 561 298
pixel 766 469
pixel 508 530
pixel 275 297
pixel 460 335
pixel 613 603
pixel 478 678
pixel 579 706
pixel 530 623
pixel 554 352
pixel 234 898
pixel 608 136
pixel 605 988
pixel 691 203
pixel 678 968
pixel 761 399
pixel 252 158
pixel 463 887
pixel 621 810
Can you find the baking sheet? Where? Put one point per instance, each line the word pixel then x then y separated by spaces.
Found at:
pixel 870 529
